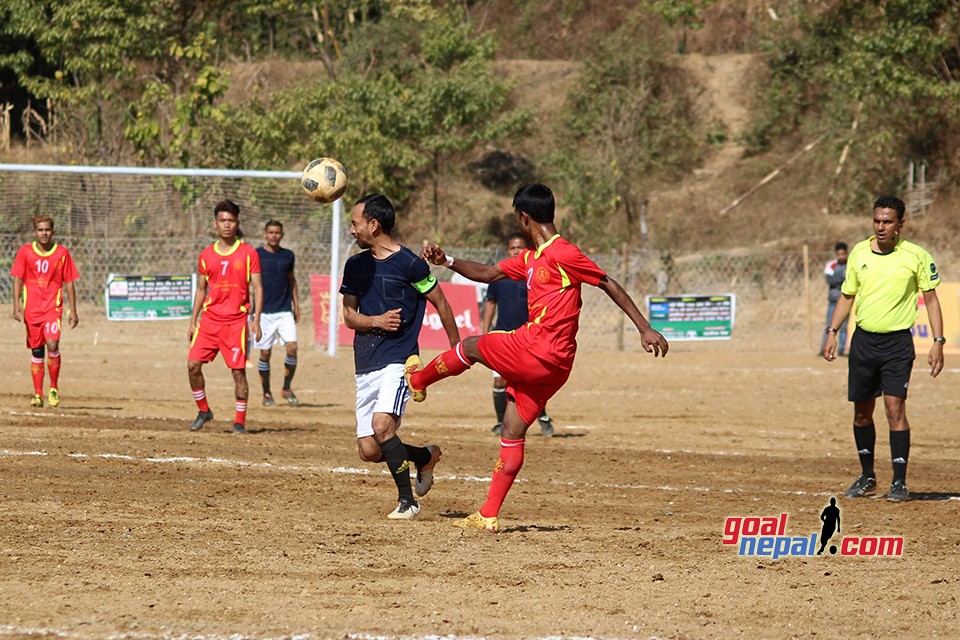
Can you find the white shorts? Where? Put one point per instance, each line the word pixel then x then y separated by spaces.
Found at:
pixel 380 391
pixel 276 326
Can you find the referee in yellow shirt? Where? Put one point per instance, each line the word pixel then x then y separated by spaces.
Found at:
pixel 884 275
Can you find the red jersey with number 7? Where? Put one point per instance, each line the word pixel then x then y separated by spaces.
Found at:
pixel 43 273
pixel 228 280
pixel 554 272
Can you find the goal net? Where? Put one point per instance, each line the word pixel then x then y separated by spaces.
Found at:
pixel 155 221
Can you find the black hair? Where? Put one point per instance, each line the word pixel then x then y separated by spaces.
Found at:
pixel 840 246
pixel 273 223
pixel 535 200
pixel 226 205
pixel 377 207
pixel 889 202
pixel 515 235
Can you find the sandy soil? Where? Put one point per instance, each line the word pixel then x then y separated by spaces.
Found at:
pixel 118 522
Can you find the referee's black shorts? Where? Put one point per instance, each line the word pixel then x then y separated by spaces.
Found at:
pixel 879 363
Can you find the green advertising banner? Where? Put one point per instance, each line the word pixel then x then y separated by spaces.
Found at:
pixel 693 317
pixel 149 297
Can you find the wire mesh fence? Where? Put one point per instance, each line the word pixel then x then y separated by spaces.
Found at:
pixel 770 287
pixel 158 224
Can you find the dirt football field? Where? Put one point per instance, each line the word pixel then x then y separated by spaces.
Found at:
pixel 117 522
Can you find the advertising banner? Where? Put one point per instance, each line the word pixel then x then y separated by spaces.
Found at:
pixel 462 299
pixel 693 317
pixel 149 297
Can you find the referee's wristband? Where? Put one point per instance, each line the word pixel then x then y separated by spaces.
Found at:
pixel 449 261
pixel 830 330
pixel 940 340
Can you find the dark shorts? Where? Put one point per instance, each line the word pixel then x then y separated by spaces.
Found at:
pixel 879 363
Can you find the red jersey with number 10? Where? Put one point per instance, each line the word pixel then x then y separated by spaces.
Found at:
pixel 554 272
pixel 228 277
pixel 44 274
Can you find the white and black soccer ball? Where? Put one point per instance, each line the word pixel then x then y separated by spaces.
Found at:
pixel 324 180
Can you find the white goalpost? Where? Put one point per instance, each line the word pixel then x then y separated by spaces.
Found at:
pixel 154 221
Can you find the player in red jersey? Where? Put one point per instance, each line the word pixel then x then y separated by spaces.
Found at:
pixel 42 271
pixel 535 359
pixel 228 268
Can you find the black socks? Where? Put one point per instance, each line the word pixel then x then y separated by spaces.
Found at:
pixel 395 455
pixel 866 438
pixel 900 453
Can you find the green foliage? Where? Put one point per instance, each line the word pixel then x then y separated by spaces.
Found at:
pixel 897 57
pixel 629 122
pixel 431 93
pixel 686 13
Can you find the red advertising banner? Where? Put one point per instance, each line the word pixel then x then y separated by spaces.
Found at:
pixel 462 299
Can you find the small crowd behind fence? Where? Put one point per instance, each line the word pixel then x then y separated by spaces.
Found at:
pixel 158 224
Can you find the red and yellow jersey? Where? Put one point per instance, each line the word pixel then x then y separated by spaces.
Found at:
pixel 43 273
pixel 228 277
pixel 554 272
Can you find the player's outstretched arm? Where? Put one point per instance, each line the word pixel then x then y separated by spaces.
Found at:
pixel 650 339
pixel 935 314
pixel 476 271
pixel 844 304
pixel 18 299
pixel 439 301
pixel 72 296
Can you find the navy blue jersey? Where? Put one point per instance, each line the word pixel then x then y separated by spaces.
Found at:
pixel 400 281
pixel 511 298
pixel 275 270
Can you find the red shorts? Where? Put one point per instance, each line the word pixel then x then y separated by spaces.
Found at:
pixel 229 338
pixel 39 331
pixel 530 380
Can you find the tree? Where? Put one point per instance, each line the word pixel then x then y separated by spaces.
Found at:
pixel 628 121
pixel 457 100
pixel 895 62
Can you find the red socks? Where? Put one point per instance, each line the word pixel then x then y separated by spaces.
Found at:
pixel 53 363
pixel 449 363
pixel 504 473
pixel 200 395
pixel 241 417
pixel 36 370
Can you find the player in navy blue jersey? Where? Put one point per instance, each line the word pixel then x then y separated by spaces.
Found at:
pixel 385 289
pixel 281 311
pixel 507 301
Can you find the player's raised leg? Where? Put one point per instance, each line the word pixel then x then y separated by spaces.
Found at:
pixel 452 362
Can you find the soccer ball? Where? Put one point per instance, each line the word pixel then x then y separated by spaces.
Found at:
pixel 324 180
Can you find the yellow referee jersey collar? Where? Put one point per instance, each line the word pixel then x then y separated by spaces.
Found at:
pixel 895 247
pixel 545 245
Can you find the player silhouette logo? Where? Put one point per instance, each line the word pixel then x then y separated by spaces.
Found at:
pixel 831 522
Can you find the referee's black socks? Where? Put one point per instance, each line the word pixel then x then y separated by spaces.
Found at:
pixel 900 453
pixel 866 439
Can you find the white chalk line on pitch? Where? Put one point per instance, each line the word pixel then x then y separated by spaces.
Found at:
pixel 11 630
pixel 355 471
